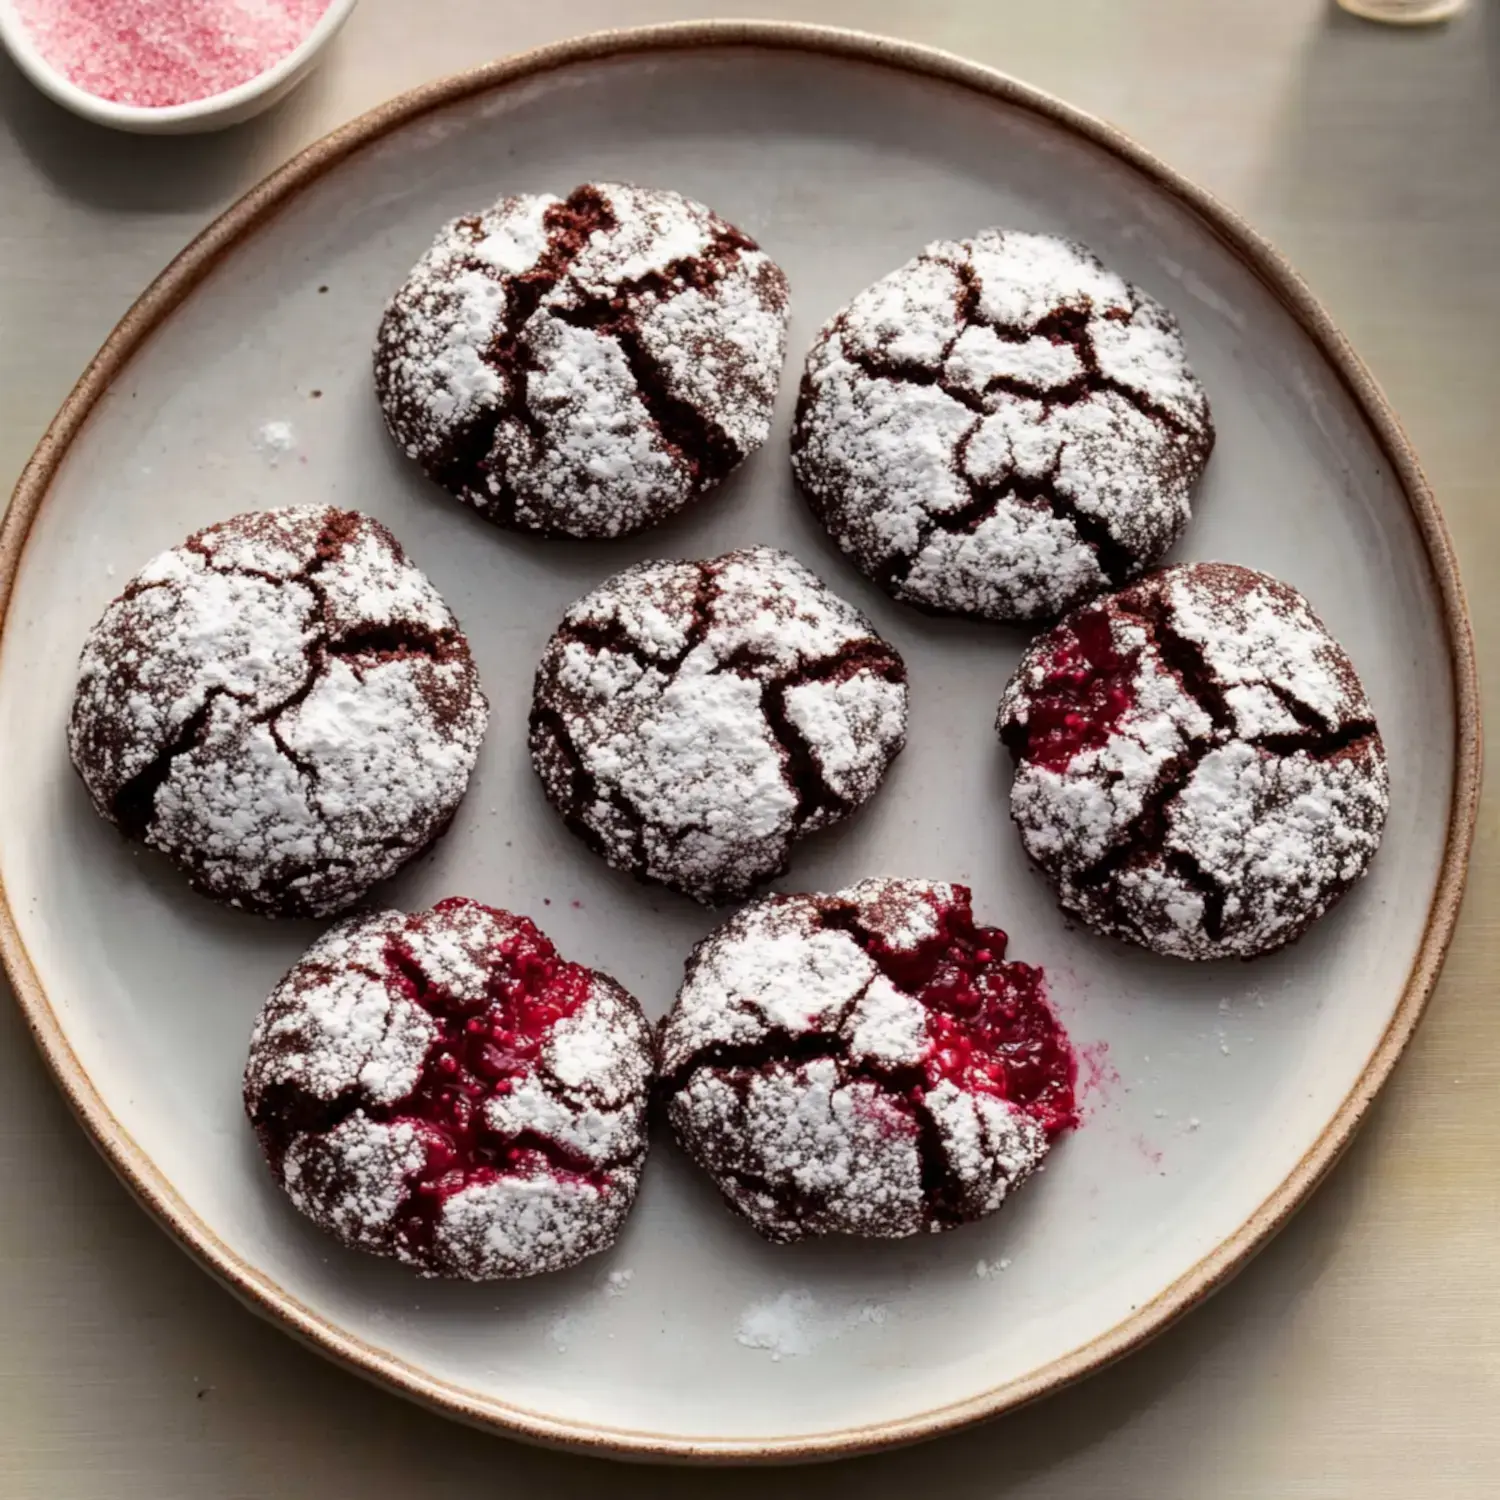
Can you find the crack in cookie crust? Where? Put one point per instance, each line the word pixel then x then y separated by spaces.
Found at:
pixel 1001 428
pixel 584 366
pixel 1198 768
pixel 692 720
pixel 284 706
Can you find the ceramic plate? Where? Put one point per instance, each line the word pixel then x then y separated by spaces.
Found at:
pixel 1214 1095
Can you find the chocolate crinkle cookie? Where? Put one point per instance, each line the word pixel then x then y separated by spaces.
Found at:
pixel 692 720
pixel 584 366
pixel 864 1063
pixel 1002 428
pixel 444 1089
pixel 1197 766
pixel 284 706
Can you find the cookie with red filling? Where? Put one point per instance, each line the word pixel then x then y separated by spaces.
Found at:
pixel 443 1088
pixel 866 1063
pixel 1001 428
pixel 1198 768
pixel 584 366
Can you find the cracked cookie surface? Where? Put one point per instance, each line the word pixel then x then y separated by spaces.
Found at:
pixel 584 366
pixel 443 1088
pixel 283 705
pixel 1198 769
pixel 692 720
pixel 1001 428
pixel 864 1063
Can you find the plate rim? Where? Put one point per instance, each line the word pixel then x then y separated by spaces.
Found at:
pixel 257 207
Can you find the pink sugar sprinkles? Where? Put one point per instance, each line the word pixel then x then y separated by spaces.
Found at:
pixel 156 53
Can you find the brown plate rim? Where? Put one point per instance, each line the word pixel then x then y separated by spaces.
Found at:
pixel 256 208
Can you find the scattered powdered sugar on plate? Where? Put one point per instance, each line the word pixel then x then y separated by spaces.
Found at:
pixel 794 1323
pixel 275 440
pixel 986 1269
pixel 581 1321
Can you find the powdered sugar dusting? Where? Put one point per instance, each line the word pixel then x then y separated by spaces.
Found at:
pixel 515 1225
pixel 695 719
pixel 339 1027
pixel 1001 428
pixel 355 1178
pixel 1238 795
pixel 284 705
pixel 442 1089
pixel 1266 647
pixel 584 366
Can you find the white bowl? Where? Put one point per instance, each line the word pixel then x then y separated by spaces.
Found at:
pixel 212 113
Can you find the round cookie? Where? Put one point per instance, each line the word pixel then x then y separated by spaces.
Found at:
pixel 1197 766
pixel 284 706
pixel 584 366
pixel 444 1089
pixel 692 720
pixel 1002 428
pixel 864 1063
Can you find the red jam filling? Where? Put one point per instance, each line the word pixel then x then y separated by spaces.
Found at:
pixel 483 1046
pixel 989 1026
pixel 1082 697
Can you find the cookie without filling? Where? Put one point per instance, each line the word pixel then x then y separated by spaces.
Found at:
pixel 584 366
pixel 692 720
pixel 284 706
pixel 1001 428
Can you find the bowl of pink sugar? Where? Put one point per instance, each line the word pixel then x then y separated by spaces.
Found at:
pixel 168 66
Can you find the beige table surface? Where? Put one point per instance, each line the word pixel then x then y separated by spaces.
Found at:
pixel 1360 1355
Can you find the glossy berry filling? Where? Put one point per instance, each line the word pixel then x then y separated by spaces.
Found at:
pixel 484 1045
pixel 989 1026
pixel 1083 696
